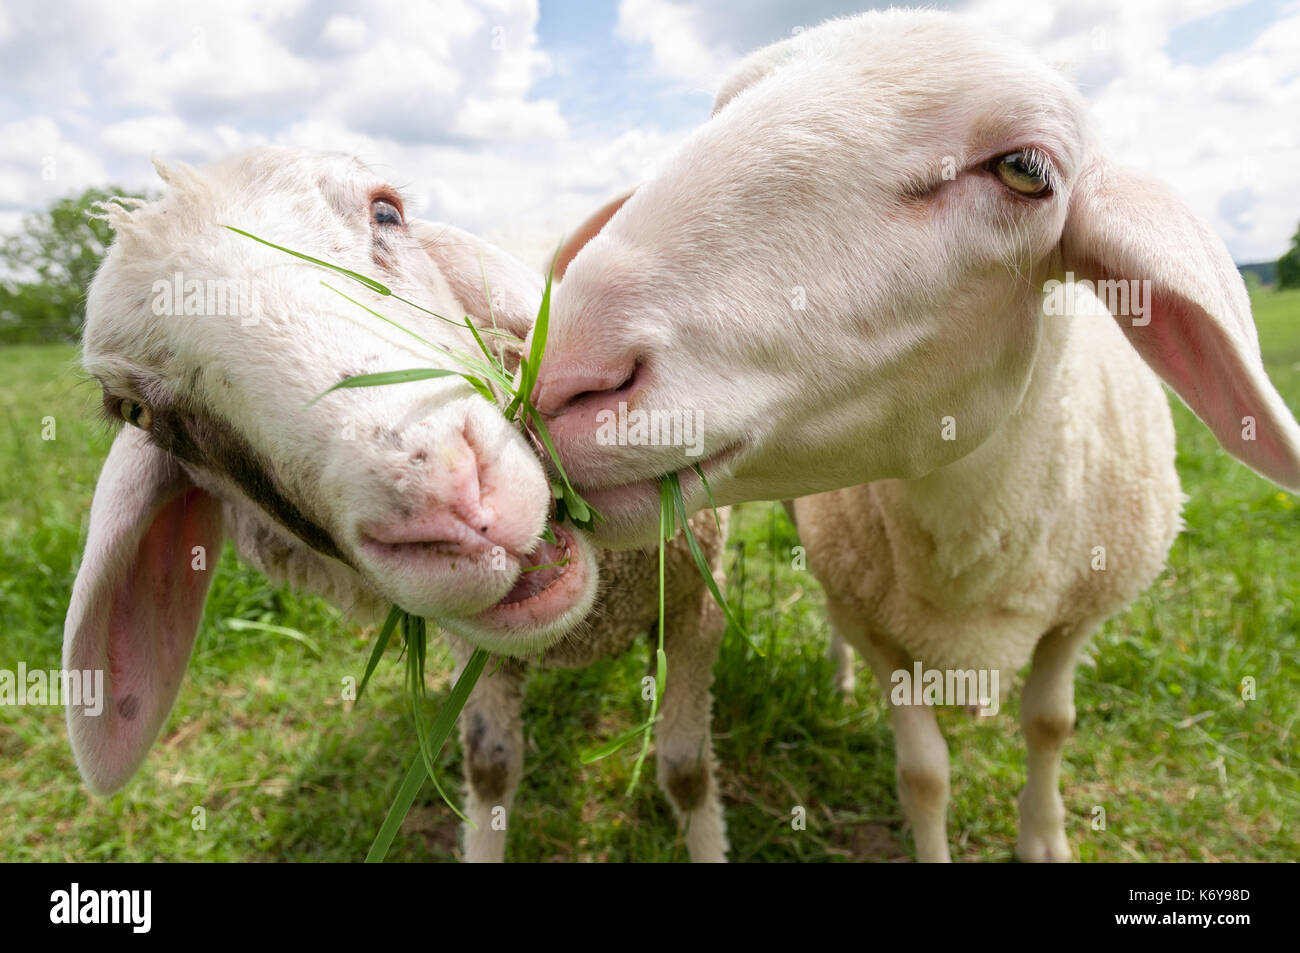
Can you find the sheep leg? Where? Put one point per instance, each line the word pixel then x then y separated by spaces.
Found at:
pixel 683 736
pixel 492 738
pixel 841 653
pixel 920 751
pixel 1047 719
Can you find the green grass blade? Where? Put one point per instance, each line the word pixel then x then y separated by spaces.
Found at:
pixel 383 378
pixel 518 398
pixel 529 366
pixel 482 346
pixel 428 755
pixel 433 737
pixel 699 472
pixel 661 659
pixel 241 625
pixel 577 507
pixel 368 282
pixel 475 367
pixel 608 748
pixel 443 317
pixel 540 330
pixel 554 565
pixel 703 564
pixel 381 643
pixel 571 496
pixel 415 632
pixel 401 806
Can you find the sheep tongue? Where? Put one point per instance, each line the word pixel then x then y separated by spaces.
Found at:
pixel 531 583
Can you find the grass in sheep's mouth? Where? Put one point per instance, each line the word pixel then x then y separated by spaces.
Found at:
pixel 486 376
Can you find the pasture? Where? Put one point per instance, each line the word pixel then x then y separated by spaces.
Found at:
pixel 283 768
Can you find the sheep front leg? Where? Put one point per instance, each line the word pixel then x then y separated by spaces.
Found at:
pixel 492 738
pixel 921 754
pixel 683 736
pixel 842 655
pixel 1047 719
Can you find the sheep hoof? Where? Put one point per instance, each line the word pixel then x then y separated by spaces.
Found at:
pixel 1046 847
pixel 1042 837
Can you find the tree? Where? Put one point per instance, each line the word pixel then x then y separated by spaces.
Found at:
pixel 1288 266
pixel 46 269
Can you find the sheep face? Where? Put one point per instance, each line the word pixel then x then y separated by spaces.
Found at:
pixel 211 346
pixel 214 346
pixel 849 254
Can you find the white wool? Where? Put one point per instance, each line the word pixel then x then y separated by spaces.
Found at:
pixel 837 273
pixel 229 444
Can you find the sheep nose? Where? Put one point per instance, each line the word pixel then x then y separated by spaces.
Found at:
pixel 451 512
pixel 562 387
pixel 455 490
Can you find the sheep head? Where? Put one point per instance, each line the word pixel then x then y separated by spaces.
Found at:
pixel 210 347
pixel 840 277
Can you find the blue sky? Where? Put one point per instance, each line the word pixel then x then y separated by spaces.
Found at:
pixel 497 112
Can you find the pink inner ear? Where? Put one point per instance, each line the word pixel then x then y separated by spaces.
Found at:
pixel 1222 380
pixel 153 619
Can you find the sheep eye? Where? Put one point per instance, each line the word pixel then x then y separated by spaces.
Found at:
pixel 136 414
pixel 384 212
pixel 1023 172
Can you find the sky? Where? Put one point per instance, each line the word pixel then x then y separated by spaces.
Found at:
pixel 490 113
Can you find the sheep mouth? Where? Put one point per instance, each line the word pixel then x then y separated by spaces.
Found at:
pixel 553 580
pixel 640 498
pixel 546 564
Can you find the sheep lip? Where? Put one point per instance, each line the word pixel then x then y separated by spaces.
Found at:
pixel 619 497
pixel 528 605
pixel 420 549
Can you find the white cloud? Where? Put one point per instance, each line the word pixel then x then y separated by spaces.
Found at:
pixel 444 96
pixel 40 163
pixel 504 119
pixel 1223 134
pixel 677 43
pixel 345 33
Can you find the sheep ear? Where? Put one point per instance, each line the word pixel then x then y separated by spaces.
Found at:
pixel 136 605
pixel 1197 332
pixel 474 268
pixel 586 232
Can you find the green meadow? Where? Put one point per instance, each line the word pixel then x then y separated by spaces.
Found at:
pixel 266 753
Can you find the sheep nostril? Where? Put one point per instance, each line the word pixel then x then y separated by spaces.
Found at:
pixel 630 380
pixel 564 388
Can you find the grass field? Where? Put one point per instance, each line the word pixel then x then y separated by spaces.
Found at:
pixel 284 769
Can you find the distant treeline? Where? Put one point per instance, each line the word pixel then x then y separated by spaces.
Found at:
pixel 46 269
pixel 1266 271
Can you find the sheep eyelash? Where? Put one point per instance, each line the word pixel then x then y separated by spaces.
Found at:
pixel 109 409
pixel 1039 163
pixel 392 198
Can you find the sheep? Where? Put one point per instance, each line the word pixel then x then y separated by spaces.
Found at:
pixel 860 273
pixel 211 347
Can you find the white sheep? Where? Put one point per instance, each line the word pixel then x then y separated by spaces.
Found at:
pixel 857 274
pixel 213 345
